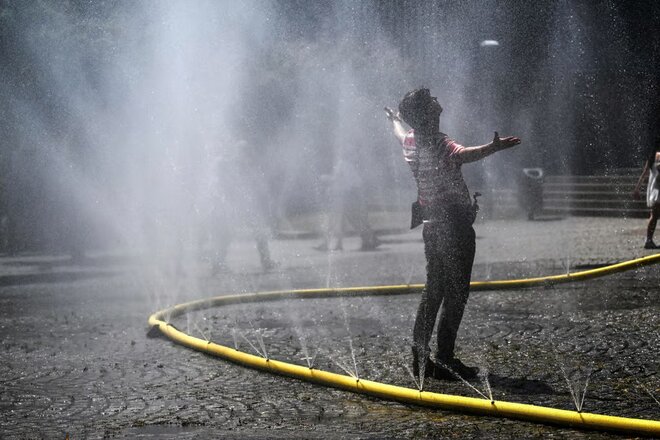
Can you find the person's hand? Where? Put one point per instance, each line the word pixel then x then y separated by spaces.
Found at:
pixel 391 115
pixel 505 142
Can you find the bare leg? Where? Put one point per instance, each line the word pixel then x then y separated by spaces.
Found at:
pixel 357 215
pixel 337 224
pixel 267 262
pixel 325 226
pixel 653 221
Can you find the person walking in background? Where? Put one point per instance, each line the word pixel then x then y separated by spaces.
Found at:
pixel 238 196
pixel 652 168
pixel 346 201
pixel 449 239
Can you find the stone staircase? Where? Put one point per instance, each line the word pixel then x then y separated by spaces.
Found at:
pixel 608 196
pixel 563 195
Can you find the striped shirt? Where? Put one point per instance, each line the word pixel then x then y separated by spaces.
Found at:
pixel 433 162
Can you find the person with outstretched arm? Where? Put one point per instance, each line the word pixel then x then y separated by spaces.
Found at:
pixel 449 239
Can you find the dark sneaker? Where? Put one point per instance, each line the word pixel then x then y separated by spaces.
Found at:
pixel 452 368
pixel 650 245
pixel 429 368
pixel 441 373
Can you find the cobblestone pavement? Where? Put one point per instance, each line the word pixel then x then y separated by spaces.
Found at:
pixel 77 358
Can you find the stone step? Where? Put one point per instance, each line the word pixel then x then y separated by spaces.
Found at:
pixel 621 196
pixel 595 180
pixel 592 186
pixel 595 212
pixel 602 195
pixel 595 203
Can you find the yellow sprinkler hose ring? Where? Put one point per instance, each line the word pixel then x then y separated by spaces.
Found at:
pixel 498 408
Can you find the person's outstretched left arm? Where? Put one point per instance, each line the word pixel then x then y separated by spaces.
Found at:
pixel 473 154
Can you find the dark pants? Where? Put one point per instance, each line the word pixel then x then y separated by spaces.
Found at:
pixel 449 245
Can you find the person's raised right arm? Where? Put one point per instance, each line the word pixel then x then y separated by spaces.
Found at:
pixel 397 124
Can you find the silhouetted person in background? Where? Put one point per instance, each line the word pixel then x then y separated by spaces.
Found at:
pixel 238 196
pixel 530 191
pixel 449 239
pixel 346 201
pixel 652 169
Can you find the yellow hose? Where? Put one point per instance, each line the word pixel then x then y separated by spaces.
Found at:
pixel 409 395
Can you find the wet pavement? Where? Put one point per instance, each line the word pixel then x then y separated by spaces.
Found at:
pixel 77 358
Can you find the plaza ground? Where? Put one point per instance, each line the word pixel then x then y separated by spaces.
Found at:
pixel 77 358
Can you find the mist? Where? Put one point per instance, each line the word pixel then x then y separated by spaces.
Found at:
pixel 118 114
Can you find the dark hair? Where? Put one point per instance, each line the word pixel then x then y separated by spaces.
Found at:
pixel 413 105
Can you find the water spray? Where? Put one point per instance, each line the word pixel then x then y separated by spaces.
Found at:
pixel 485 405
